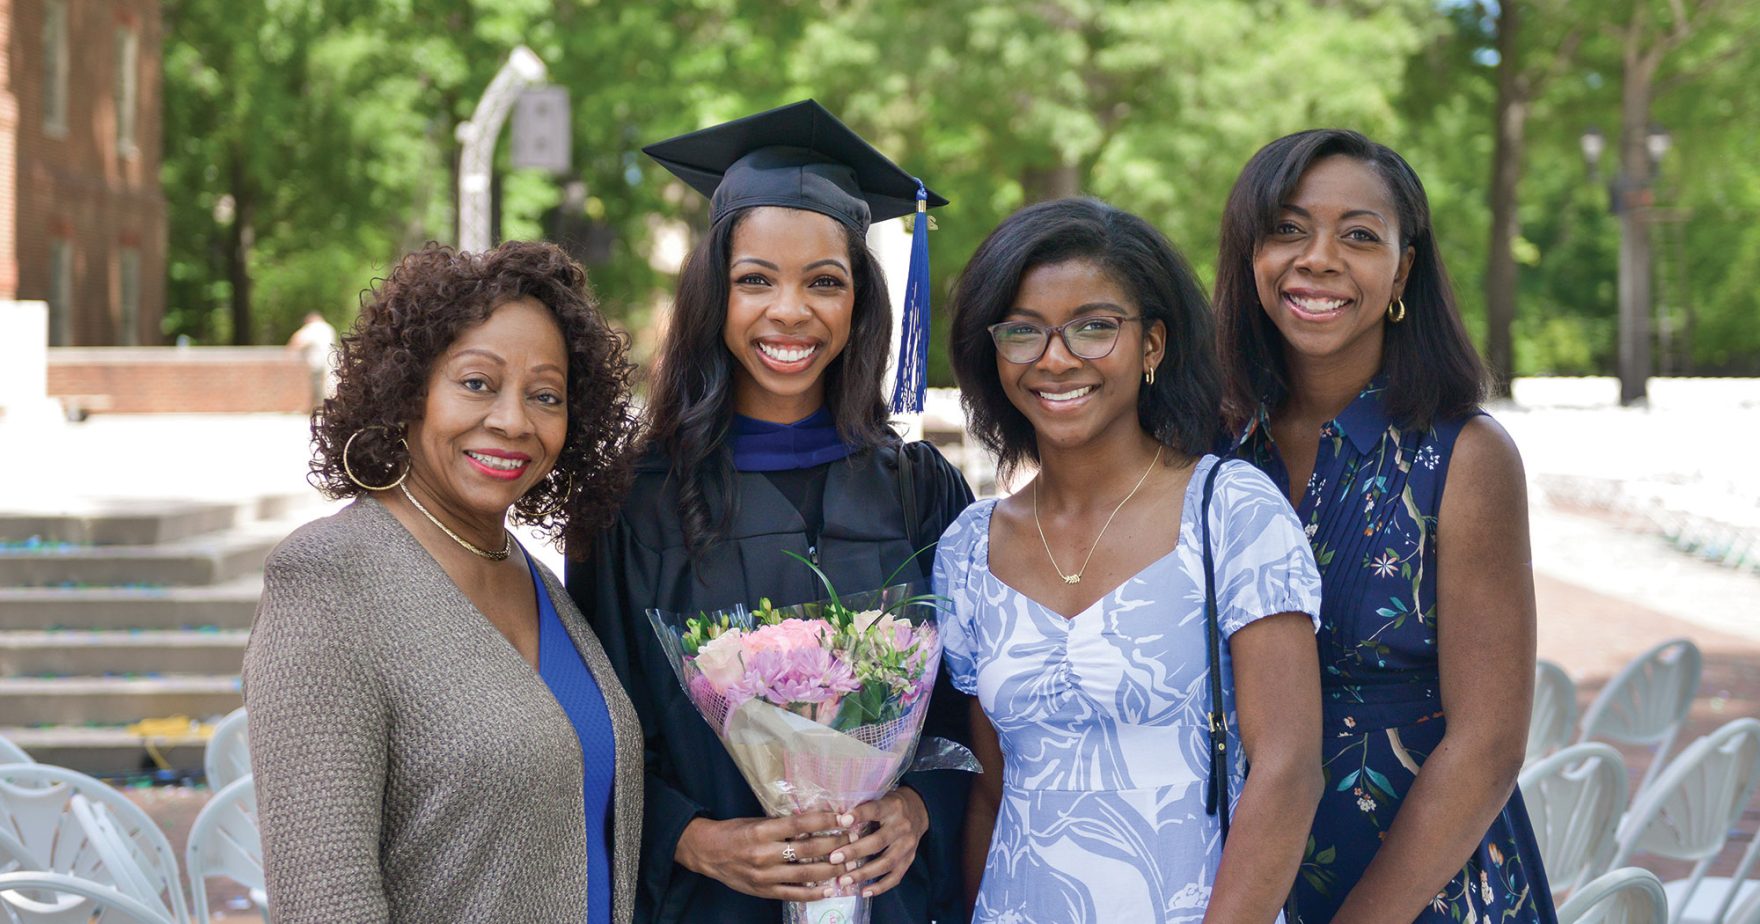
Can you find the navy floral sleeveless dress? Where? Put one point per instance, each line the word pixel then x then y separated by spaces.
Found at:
pixel 1370 513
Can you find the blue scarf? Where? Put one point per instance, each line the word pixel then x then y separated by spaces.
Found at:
pixel 761 446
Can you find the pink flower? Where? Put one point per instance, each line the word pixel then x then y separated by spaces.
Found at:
pixel 902 634
pixel 787 635
pixel 798 675
pixel 886 631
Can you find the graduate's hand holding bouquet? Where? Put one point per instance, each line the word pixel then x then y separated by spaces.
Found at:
pixel 820 705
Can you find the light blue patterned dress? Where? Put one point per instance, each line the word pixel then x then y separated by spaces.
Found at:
pixel 1101 717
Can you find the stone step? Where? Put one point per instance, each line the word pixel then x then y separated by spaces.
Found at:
pixel 106 751
pixel 122 522
pixel 141 521
pixel 228 605
pixel 86 653
pixel 185 562
pixel 31 701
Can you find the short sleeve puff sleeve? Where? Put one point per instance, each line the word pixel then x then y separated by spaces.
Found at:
pixel 958 558
pixel 1264 565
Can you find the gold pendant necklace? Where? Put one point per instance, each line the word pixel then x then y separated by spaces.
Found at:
pixel 1076 578
pixel 506 537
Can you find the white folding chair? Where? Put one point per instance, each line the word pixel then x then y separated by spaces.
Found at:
pixel 1554 718
pixel 37 804
pixel 228 754
pixel 125 864
pixel 1747 912
pixel 1720 899
pixel 40 832
pixel 13 754
pixel 1688 814
pixel 58 898
pixel 225 841
pixel 1647 702
pixel 1575 799
pixel 14 855
pixel 1624 896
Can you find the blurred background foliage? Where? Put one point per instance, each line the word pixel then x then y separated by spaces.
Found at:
pixel 311 143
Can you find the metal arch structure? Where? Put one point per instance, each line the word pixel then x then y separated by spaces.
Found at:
pixel 477 159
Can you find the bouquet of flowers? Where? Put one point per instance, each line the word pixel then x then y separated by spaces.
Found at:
pixel 820 704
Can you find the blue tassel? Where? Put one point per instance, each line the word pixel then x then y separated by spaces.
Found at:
pixel 912 383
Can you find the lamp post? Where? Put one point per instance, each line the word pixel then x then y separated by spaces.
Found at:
pixel 477 158
pixel 1630 199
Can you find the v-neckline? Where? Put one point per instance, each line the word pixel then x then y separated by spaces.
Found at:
pixel 1179 541
pixel 450 582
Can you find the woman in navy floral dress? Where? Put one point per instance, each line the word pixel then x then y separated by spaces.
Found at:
pixel 1356 388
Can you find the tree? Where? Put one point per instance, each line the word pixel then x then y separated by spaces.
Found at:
pixel 1518 82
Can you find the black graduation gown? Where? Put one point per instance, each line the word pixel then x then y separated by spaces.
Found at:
pixel 641 562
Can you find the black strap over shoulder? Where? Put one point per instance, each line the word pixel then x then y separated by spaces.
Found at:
pixel 1216 791
pixel 907 496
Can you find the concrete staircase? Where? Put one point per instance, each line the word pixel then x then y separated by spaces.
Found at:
pixel 127 611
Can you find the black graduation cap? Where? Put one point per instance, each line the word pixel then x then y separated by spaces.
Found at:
pixel 798 156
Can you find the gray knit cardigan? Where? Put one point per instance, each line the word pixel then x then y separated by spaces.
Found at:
pixel 410 765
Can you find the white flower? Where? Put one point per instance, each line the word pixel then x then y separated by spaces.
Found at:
pixel 1484 887
pixel 1192 896
pixel 866 618
pixel 1385 565
pixel 1366 804
pixel 720 660
pixel 1311 529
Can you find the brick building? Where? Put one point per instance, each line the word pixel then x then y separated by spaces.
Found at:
pixel 82 215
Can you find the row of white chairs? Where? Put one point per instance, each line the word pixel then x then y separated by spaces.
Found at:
pixel 1645 704
pixel 74 849
pixel 1714 519
pixel 1576 800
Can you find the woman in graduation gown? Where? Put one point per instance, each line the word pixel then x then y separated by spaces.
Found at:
pixel 767 432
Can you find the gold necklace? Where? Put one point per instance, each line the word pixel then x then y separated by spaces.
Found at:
pixel 506 537
pixel 1076 578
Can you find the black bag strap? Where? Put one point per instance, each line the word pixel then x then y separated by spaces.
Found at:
pixel 907 496
pixel 1216 791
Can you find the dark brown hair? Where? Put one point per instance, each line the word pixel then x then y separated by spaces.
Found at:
pixel 690 409
pixel 1179 410
pixel 410 318
pixel 1433 371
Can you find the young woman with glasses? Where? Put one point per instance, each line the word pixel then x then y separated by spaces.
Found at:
pixel 1077 606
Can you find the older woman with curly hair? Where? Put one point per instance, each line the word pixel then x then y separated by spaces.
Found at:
pixel 437 734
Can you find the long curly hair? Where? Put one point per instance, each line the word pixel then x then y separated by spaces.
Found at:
pixel 690 407
pixel 407 322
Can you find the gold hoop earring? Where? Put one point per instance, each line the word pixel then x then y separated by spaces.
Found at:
pixel 561 501
pixel 1396 311
pixel 1149 377
pixel 349 471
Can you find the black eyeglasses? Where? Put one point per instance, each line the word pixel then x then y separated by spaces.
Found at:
pixel 1024 342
